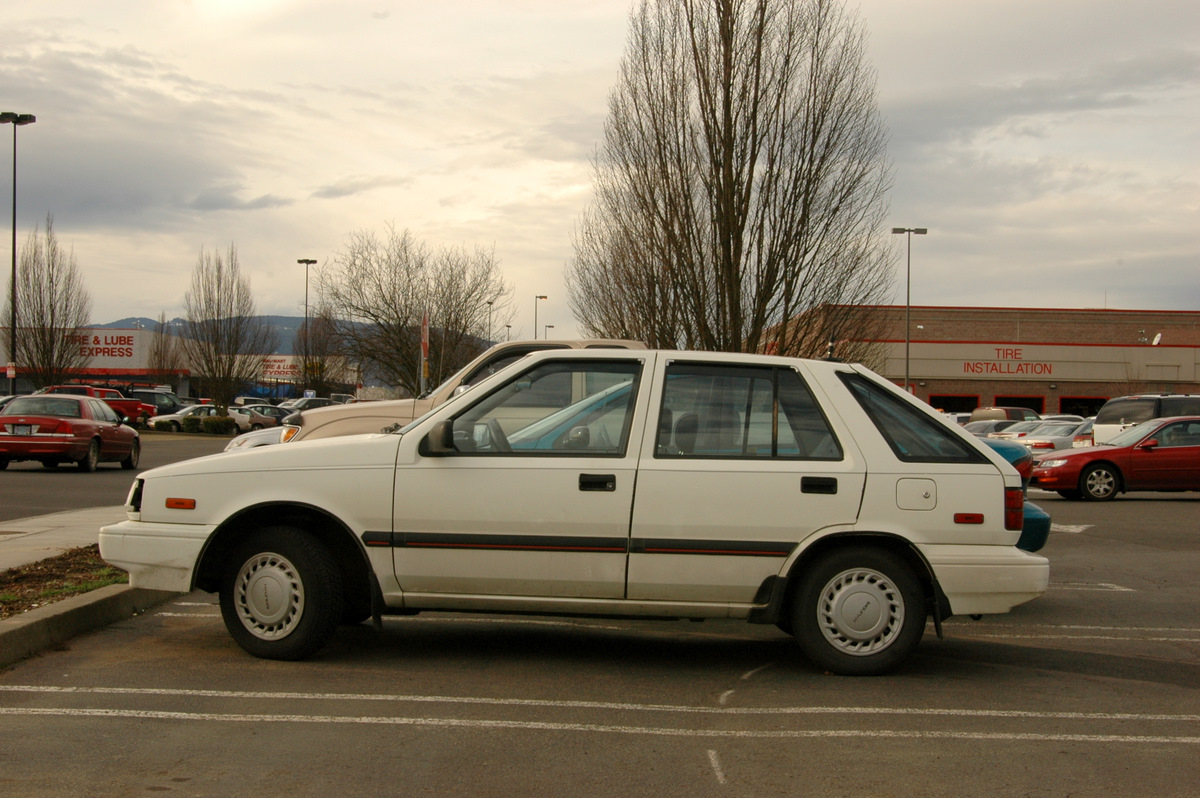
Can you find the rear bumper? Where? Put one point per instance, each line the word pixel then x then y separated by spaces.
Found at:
pixel 982 580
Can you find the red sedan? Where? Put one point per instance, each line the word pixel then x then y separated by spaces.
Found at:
pixel 1163 454
pixel 59 428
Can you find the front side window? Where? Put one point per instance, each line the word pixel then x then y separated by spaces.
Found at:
pixel 564 408
pixel 741 412
pixel 913 436
pixel 1183 433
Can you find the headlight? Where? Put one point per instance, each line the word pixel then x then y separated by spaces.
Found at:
pixel 1049 463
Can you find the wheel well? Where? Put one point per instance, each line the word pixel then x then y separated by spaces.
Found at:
pixel 783 592
pixel 332 533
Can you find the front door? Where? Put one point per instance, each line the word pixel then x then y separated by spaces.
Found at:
pixel 536 496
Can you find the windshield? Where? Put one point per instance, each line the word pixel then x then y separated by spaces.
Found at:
pixel 1128 437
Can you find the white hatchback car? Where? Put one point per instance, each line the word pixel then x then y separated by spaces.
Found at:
pixel 812 495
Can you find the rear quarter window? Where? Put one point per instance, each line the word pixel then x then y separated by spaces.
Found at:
pixel 913 436
pixel 1126 411
pixel 1181 406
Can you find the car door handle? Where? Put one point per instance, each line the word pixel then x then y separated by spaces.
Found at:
pixel 603 482
pixel 827 485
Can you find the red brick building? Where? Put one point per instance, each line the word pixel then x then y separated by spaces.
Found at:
pixel 1052 360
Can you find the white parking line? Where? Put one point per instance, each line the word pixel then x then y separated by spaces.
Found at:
pixel 906 734
pixel 1070 529
pixel 1106 587
pixel 716 766
pixel 561 704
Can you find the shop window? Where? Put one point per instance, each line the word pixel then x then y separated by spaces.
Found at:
pixel 954 403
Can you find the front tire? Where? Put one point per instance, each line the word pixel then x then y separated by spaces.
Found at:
pixel 859 611
pixel 281 595
pixel 1099 482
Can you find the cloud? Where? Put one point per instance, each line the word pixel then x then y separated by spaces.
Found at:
pixel 359 184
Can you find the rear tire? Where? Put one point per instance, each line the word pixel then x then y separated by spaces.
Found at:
pixel 859 611
pixel 135 454
pixel 89 461
pixel 281 595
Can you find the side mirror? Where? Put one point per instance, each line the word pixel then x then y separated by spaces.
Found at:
pixel 579 438
pixel 440 440
pixel 1148 444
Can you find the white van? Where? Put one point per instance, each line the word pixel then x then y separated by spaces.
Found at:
pixel 1124 412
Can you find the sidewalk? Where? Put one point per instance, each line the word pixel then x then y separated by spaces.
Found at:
pixel 28 540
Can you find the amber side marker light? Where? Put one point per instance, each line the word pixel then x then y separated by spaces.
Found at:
pixel 181 504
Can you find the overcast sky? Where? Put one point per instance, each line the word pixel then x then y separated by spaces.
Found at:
pixel 1050 146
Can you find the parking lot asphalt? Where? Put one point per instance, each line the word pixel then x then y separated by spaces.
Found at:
pixel 28 540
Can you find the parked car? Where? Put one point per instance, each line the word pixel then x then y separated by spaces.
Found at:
pixel 813 495
pixel 1160 454
pixel 130 408
pixel 994 413
pixel 163 402
pixel 1055 435
pixel 64 428
pixel 1014 431
pixel 274 411
pixel 956 418
pixel 982 428
pixel 249 419
pixel 356 418
pixel 1035 529
pixel 175 420
pixel 1124 412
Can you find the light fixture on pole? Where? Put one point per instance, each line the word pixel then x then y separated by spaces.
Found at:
pixel 535 301
pixel 489 327
pixel 16 119
pixel 507 332
pixel 304 355
pixel 546 331
pixel 909 232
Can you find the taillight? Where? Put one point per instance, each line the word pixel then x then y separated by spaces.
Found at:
pixel 1014 508
pixel 1082 441
pixel 1040 444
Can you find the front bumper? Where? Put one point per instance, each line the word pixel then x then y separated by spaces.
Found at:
pixel 157 556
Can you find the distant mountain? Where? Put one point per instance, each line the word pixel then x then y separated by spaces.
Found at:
pixel 285 326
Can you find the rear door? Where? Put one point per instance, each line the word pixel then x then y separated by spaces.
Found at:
pixel 740 465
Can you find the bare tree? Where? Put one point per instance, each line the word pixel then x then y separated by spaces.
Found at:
pixel 165 358
pixel 224 340
pixel 741 181
pixel 323 365
pixel 379 290
pixel 53 306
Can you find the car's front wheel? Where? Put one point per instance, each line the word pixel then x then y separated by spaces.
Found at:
pixel 1099 482
pixel 859 611
pixel 281 596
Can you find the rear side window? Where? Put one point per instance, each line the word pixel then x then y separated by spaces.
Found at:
pixel 1181 406
pixel 1133 410
pixel 913 436
pixel 741 412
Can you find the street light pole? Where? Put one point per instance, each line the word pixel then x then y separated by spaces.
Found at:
pixel 546 331
pixel 304 355
pixel 16 120
pixel 908 231
pixel 535 301
pixel 489 329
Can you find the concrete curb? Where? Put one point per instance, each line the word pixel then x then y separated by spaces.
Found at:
pixel 36 630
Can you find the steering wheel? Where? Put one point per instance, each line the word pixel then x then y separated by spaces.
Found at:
pixel 499 439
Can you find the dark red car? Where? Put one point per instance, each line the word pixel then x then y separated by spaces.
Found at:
pixel 60 428
pixel 1163 454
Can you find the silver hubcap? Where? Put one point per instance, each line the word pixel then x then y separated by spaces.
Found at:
pixel 269 596
pixel 860 612
pixel 1100 483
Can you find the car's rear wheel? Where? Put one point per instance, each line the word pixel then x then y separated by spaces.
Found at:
pixel 1099 482
pixel 281 596
pixel 175 427
pixel 135 454
pixel 859 611
pixel 89 460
